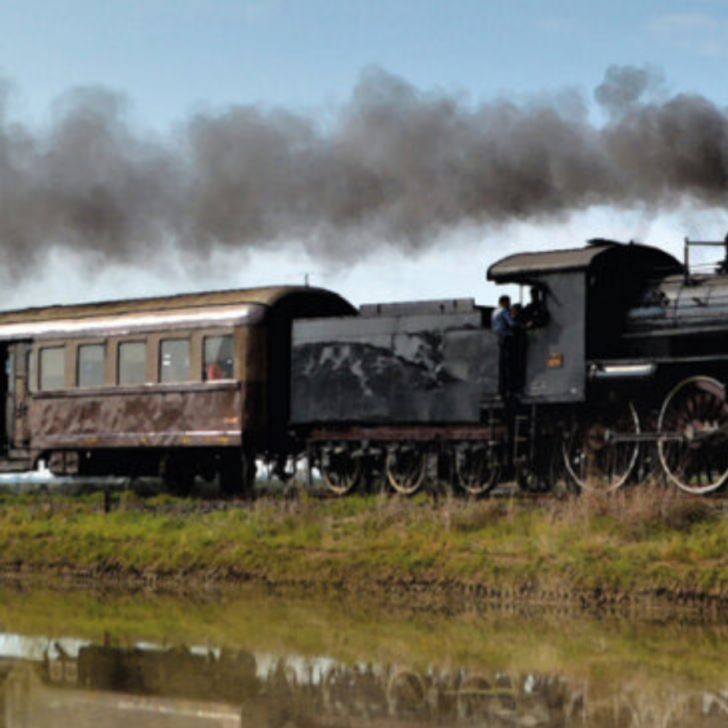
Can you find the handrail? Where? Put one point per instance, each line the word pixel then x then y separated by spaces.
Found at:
pixel 722 268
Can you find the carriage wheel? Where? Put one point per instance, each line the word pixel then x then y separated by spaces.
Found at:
pixel 406 470
pixel 693 428
pixel 477 471
pixel 342 473
pixel 595 457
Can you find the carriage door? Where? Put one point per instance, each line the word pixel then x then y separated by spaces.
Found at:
pixel 16 418
pixel 6 373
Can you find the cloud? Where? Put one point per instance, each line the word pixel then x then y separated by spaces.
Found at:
pixel 397 168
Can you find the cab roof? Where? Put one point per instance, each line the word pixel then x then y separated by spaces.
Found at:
pixel 525 266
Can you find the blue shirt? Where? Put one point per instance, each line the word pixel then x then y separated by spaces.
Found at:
pixel 502 323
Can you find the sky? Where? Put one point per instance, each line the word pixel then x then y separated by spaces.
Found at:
pixel 172 59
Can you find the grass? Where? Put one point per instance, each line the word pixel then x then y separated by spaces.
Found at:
pixel 647 542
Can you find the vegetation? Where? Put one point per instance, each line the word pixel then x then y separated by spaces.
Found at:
pixel 641 544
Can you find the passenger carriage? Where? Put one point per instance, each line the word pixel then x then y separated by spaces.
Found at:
pixel 178 386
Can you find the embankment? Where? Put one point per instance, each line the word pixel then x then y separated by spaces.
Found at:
pixel 643 547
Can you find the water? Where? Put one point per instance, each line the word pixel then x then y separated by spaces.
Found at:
pixel 89 659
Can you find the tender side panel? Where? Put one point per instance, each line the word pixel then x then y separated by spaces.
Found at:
pixel 410 368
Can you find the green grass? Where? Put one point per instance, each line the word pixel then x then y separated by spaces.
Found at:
pixel 638 543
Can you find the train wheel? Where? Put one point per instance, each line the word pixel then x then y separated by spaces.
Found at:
pixel 693 428
pixel 477 471
pixel 341 473
pixel 596 453
pixel 406 470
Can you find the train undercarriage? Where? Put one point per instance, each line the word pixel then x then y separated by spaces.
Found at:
pixel 233 468
pixel 673 429
pixel 680 437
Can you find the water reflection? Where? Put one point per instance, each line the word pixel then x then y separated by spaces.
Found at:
pixel 574 674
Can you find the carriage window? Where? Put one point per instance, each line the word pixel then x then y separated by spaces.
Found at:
pixel 52 368
pixel 132 362
pixel 90 371
pixel 32 374
pixel 174 361
pixel 217 358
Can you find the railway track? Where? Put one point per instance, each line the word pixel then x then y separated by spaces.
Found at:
pixel 207 499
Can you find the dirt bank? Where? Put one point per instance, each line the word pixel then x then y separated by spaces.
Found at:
pixel 644 548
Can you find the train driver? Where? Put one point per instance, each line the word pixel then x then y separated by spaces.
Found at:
pixel 504 328
pixel 535 314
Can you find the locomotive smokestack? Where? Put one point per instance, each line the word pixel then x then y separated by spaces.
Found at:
pixel 397 167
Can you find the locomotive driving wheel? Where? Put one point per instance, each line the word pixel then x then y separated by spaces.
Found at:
pixel 406 470
pixel 477 471
pixel 341 473
pixel 599 452
pixel 693 443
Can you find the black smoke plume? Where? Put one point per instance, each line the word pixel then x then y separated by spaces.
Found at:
pixel 395 166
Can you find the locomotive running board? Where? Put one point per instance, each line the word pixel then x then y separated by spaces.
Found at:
pixel 382 433
pixel 654 436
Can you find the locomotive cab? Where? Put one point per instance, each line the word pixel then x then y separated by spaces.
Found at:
pixel 587 292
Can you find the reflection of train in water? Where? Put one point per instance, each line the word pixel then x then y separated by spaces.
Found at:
pixel 69 682
pixel 627 353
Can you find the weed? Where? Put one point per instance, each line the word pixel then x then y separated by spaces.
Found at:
pixel 473 517
pixel 638 539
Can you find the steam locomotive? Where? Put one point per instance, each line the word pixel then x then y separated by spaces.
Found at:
pixel 629 356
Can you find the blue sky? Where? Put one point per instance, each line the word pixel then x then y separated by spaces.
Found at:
pixel 169 57
pixel 173 57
